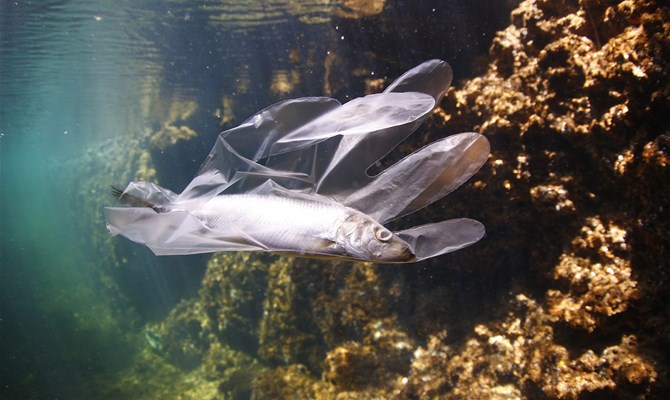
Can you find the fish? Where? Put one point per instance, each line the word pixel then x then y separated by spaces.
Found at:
pixel 268 218
pixel 293 178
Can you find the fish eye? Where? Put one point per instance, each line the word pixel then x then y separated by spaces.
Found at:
pixel 383 234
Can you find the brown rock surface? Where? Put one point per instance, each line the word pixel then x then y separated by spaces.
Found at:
pixel 565 298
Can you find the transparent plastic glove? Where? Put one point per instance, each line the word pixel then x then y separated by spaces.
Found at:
pixel 315 152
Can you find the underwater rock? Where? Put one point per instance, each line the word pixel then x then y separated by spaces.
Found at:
pixel 234 372
pixel 232 297
pixel 170 115
pixel 182 336
pixel 571 102
pixel 226 113
pixel 145 168
pixel 599 276
pixel 360 8
pixel 554 197
pixel 519 357
pixel 378 361
pixel 567 298
pixel 169 135
pixel 284 83
pixel 172 128
pixel 354 297
pixel 350 366
pixel 290 382
pixel 288 333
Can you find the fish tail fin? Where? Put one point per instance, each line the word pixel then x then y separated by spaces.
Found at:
pixel 135 201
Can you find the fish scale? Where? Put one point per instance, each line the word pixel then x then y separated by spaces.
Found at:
pixel 281 219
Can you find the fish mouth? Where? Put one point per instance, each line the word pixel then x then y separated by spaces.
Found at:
pixel 398 252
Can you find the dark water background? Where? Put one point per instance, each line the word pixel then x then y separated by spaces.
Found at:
pixel 76 78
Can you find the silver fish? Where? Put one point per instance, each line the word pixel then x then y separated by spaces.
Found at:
pixel 306 226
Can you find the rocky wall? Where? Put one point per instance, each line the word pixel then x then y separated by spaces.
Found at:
pixel 566 297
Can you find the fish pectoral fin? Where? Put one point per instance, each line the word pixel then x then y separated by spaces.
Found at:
pixel 317 245
pixel 313 247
